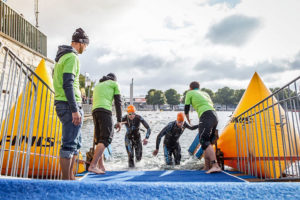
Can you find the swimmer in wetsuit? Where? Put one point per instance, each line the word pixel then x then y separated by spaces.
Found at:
pixel 133 141
pixel 172 133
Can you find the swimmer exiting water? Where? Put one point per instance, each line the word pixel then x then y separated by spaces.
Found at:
pixel 133 141
pixel 172 133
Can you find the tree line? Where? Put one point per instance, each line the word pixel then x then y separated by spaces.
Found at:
pixel 224 96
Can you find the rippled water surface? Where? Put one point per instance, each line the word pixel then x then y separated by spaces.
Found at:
pixel 157 121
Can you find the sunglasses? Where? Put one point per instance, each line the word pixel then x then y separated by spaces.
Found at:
pixel 131 114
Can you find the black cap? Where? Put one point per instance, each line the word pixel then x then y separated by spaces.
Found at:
pixel 112 76
pixel 80 36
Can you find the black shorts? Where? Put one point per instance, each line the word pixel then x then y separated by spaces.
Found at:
pixel 104 131
pixel 207 126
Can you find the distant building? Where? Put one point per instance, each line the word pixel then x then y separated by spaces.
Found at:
pixel 221 107
pixel 179 107
pixel 139 102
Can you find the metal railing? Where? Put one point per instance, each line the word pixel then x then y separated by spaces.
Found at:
pixel 29 126
pixel 15 26
pixel 267 136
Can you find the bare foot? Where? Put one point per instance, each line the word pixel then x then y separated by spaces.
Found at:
pixel 96 170
pixel 72 177
pixel 101 167
pixel 214 170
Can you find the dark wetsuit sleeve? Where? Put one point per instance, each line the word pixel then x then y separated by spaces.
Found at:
pixel 68 81
pixel 186 109
pixel 160 135
pixel 118 105
pixel 146 125
pixel 190 127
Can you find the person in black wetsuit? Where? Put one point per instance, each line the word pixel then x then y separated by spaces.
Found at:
pixel 133 141
pixel 172 133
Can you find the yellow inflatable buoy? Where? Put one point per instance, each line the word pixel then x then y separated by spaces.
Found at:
pixel 33 120
pixel 261 136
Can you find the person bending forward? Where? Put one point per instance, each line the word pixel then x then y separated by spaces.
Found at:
pixel 172 133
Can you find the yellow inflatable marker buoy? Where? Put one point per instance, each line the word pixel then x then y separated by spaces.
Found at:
pixel 33 120
pixel 261 136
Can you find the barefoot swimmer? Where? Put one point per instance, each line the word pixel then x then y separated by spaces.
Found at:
pixel 208 122
pixel 172 133
pixel 105 92
pixel 133 142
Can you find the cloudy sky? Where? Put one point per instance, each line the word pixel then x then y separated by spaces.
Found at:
pixel 166 44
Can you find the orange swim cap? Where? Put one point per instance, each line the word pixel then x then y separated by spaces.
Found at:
pixel 131 109
pixel 180 117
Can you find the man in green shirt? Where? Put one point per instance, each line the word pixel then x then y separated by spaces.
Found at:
pixel 68 100
pixel 105 92
pixel 208 122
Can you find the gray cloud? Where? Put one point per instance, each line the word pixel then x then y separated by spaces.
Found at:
pixel 89 63
pixel 212 70
pixel 158 72
pixel 149 62
pixel 296 63
pixel 234 30
pixel 120 63
pixel 145 63
pixel 229 3
pixel 215 70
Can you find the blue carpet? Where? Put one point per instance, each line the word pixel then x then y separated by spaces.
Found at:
pixel 39 189
pixel 240 175
pixel 161 176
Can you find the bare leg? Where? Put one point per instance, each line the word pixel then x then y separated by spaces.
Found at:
pixel 65 164
pixel 207 164
pixel 97 155
pixel 210 153
pixel 100 163
pixel 72 177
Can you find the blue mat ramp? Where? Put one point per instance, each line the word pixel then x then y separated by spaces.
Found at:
pixel 161 176
pixel 42 189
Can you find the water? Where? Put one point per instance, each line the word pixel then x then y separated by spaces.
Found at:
pixel 157 121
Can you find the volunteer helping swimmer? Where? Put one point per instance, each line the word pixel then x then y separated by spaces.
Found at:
pixel 108 88
pixel 208 122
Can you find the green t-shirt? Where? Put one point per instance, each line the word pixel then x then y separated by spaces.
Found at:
pixel 104 94
pixel 200 101
pixel 68 63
